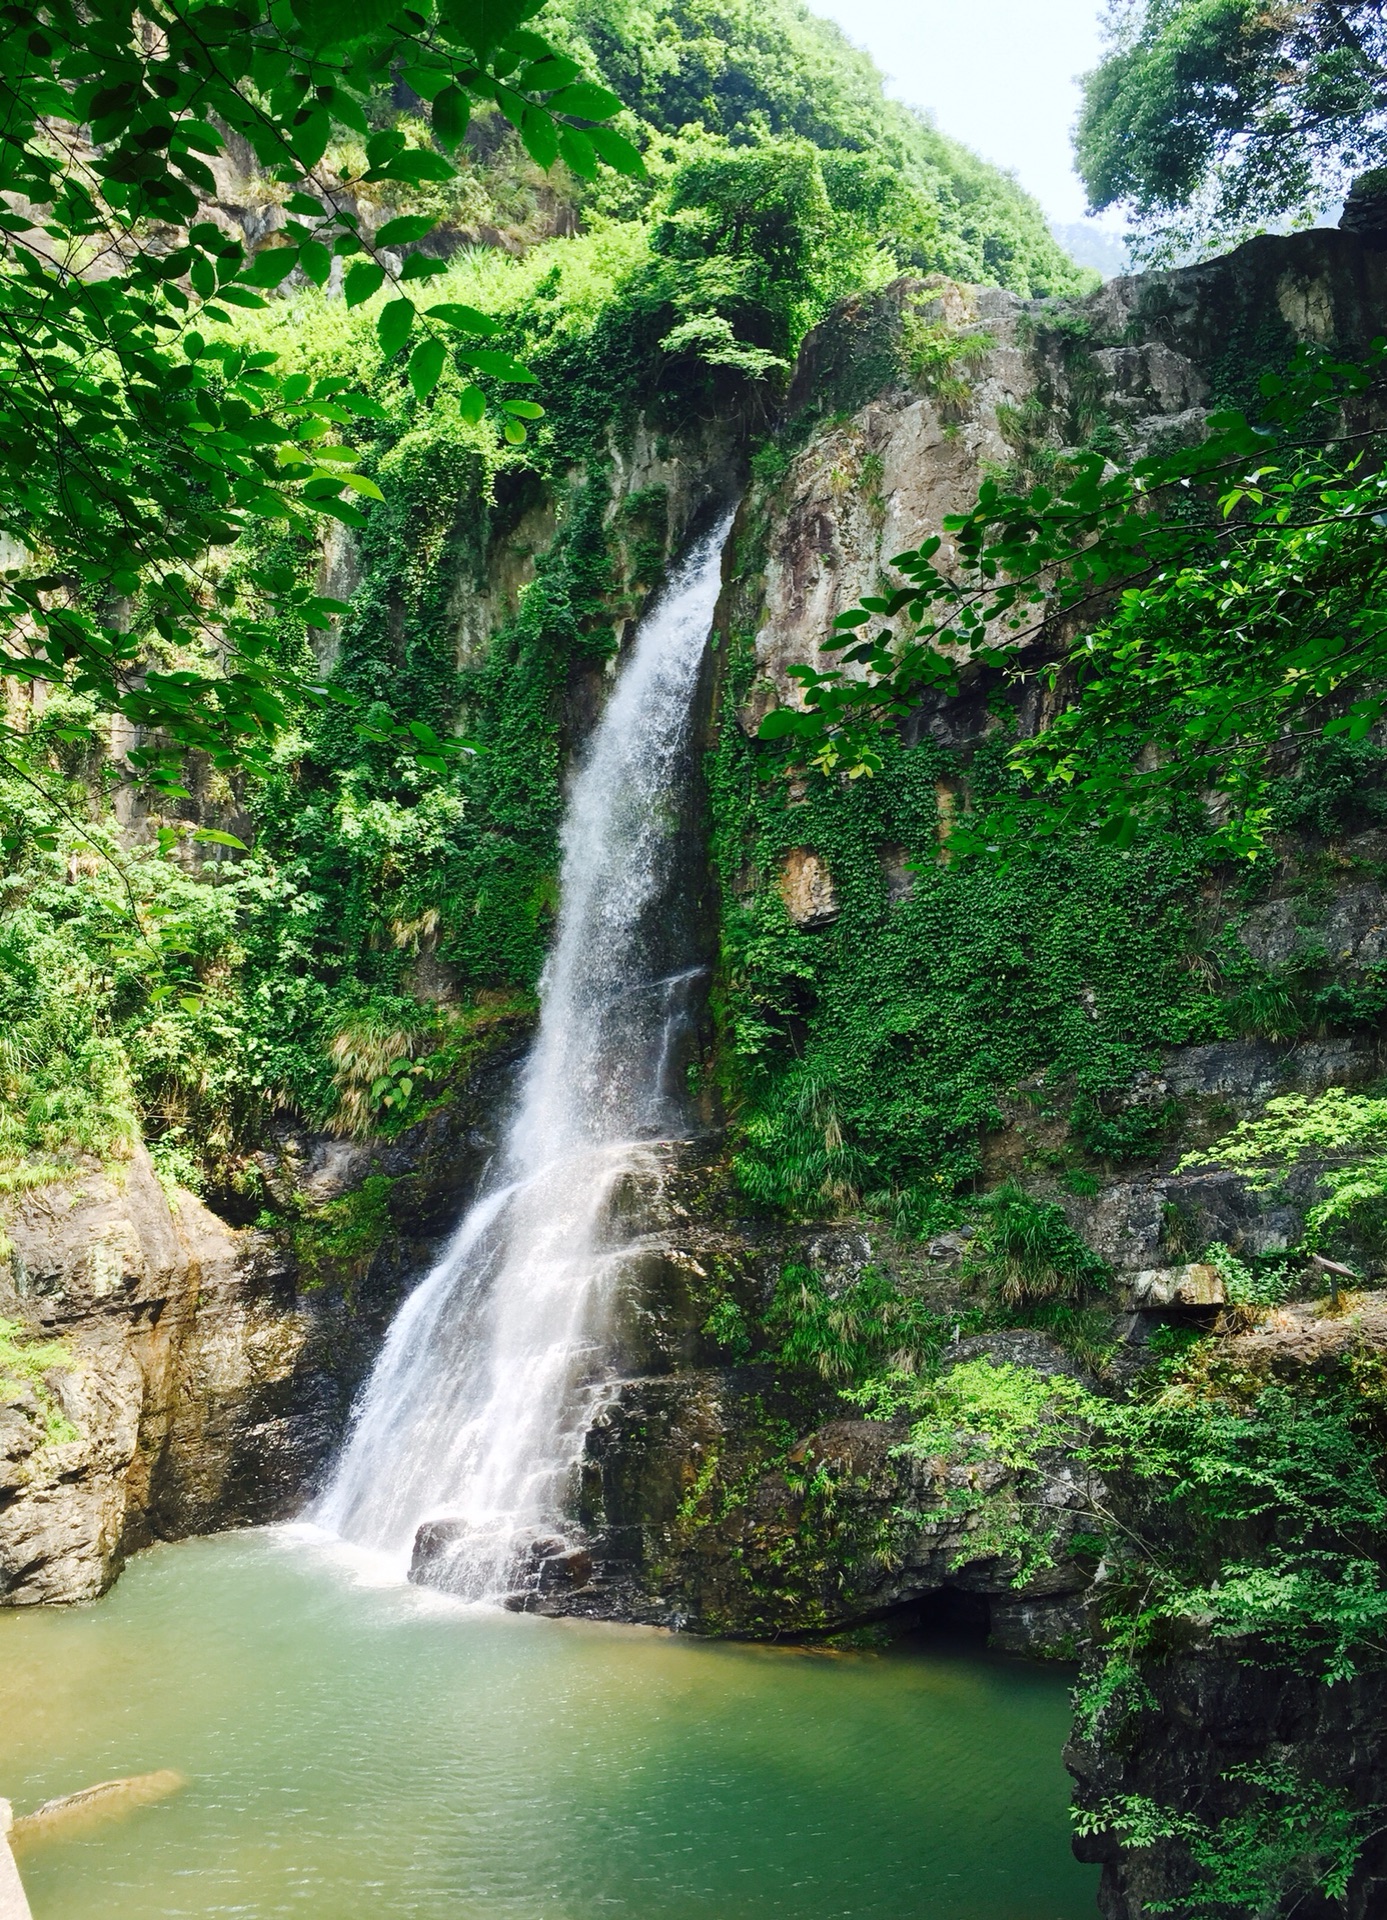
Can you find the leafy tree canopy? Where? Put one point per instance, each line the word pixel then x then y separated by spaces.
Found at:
pixel 1208 118
pixel 130 446
pixel 748 69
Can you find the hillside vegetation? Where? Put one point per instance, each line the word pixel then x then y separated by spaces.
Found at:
pixel 193 994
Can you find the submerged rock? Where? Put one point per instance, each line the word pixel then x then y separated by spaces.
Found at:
pixel 73 1813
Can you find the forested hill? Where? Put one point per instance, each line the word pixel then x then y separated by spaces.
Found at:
pixel 748 71
pixel 740 65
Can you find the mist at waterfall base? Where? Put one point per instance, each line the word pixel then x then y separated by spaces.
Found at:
pixel 477 1407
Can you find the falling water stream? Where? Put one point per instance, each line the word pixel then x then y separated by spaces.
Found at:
pixel 477 1407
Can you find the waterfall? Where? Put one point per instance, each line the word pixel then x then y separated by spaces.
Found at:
pixel 475 1413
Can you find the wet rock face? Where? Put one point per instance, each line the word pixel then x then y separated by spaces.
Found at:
pixel 541 1570
pixel 1208 1717
pixel 700 1514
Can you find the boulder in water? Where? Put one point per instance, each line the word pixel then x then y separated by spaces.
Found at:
pixel 530 1566
pixel 106 1800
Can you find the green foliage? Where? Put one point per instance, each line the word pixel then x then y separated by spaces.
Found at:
pixel 1256 606
pixel 940 359
pixel 1273 1514
pixel 1231 113
pixel 336 1242
pixel 1027 1252
pixel 1292 1837
pixel 866 1061
pixel 1245 1286
pixel 1345 1135
pixel 980 1413
pixel 854 1332
pixel 747 69
pixel 131 447
pixel 25 1364
pixel 979 1410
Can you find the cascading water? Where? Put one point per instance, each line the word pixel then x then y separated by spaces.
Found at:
pixel 477 1407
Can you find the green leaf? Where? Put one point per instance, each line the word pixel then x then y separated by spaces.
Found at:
pixel 361 282
pixel 338 509
pixel 782 721
pixel 516 435
pixel 383 146
pixel 484 24
pixel 410 226
pixel 523 409
pixel 511 105
pixel 213 836
pixel 426 366
pixel 333 23
pixel 540 136
pixel 585 102
pixel 271 265
pixel 239 297
pixel 301 203
pixel 316 261
pixel 465 319
pixel 415 167
pixel 617 151
pixel 189 1005
pixel 423 266
pixel 363 405
pixel 310 140
pixel 543 76
pixel 578 152
pixel 393 326
pixel 472 404
pixel 427 82
pixel 362 484
pixel 501 366
pixel 451 113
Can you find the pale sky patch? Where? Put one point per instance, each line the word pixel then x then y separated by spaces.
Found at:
pixel 1002 76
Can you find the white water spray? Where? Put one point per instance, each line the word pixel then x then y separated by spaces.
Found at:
pixel 478 1404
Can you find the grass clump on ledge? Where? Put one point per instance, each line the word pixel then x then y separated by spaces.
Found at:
pixel 25 1363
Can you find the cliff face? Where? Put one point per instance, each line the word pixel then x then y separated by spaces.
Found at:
pixel 199 1375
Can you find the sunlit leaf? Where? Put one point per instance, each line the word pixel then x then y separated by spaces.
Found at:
pixel 362 280
pixel 426 366
pixel 393 326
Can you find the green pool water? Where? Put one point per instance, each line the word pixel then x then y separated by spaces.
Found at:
pixel 365 1749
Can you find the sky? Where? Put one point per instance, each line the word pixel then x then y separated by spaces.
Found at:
pixel 999 75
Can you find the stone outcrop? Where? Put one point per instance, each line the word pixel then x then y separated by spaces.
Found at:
pixel 100 1263
pixel 205 1372
pixel 688 1526
pixel 904 444
pixel 807 889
